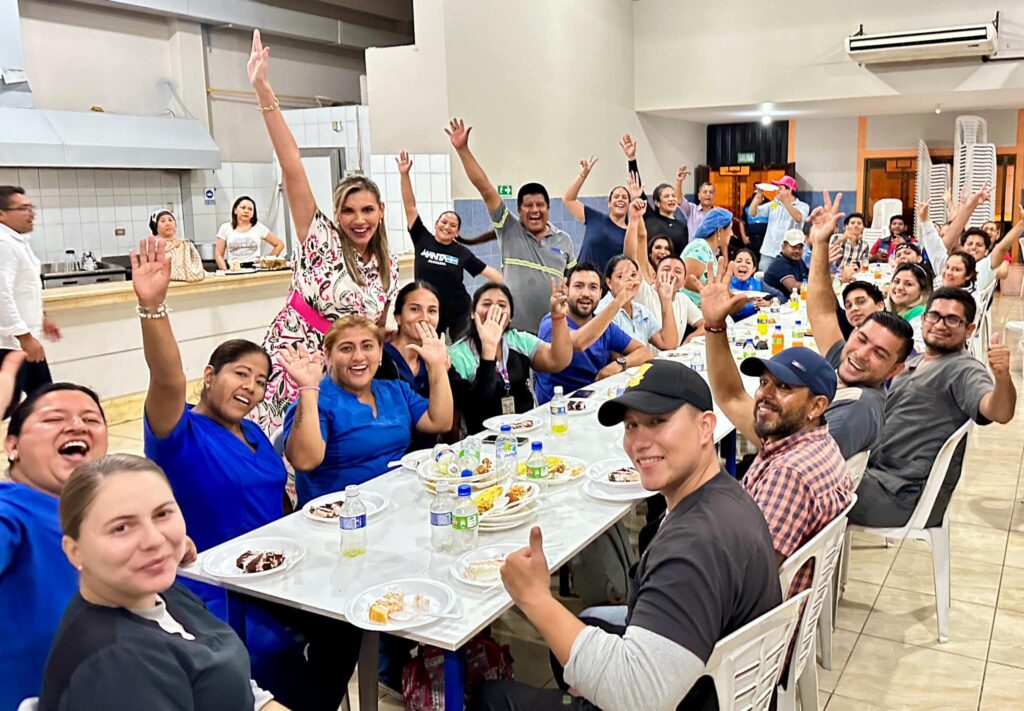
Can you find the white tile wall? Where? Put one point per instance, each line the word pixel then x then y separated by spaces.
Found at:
pixel 432 183
pixel 345 127
pixel 229 182
pixel 80 209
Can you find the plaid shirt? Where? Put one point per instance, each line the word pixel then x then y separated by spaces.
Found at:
pixel 800 483
pixel 853 253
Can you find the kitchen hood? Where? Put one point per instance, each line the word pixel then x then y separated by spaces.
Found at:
pixel 69 139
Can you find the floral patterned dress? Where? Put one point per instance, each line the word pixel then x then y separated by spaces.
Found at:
pixel 322 281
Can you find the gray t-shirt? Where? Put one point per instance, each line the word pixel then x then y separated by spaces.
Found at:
pixel 529 265
pixel 856 414
pixel 925 406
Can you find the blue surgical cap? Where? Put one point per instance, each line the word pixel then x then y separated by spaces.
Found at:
pixel 715 220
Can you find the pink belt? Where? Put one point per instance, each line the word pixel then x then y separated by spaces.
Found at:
pixel 308 313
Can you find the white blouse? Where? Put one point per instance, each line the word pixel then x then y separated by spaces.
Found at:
pixel 243 246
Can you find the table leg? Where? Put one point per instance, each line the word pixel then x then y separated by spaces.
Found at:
pixel 369 659
pixel 727 448
pixel 454 663
pixel 236 613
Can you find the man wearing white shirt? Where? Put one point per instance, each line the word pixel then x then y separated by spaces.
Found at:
pixel 22 321
pixel 785 212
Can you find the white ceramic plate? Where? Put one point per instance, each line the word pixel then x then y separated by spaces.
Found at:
pixel 413 460
pixel 529 499
pixel 767 187
pixel 221 563
pixel 374 503
pixel 752 293
pixel 518 514
pixel 589 405
pixel 558 479
pixel 594 490
pixel 494 423
pixel 440 595
pixel 493 552
pixel 507 525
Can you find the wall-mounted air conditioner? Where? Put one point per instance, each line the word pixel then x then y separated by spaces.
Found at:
pixel 916 45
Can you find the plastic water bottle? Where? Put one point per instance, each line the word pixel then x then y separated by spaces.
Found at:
pixel 778 340
pixel 465 521
pixel 506 454
pixel 469 456
pixel 537 466
pixel 446 461
pixel 794 300
pixel 559 413
pixel 353 524
pixel 749 351
pixel 441 518
pixel 798 335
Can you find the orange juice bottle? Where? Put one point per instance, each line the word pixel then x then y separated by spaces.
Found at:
pixel 778 340
pixel 803 291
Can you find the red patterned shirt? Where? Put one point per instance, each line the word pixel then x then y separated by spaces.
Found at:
pixel 800 483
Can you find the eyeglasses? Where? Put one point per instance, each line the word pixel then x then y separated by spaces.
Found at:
pixel 951 320
pixel 20 208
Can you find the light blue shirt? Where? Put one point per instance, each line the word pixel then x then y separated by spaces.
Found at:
pixel 779 220
pixel 641 327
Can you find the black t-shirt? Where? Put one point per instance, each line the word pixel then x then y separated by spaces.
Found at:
pixel 441 265
pixel 482 399
pixel 109 658
pixel 709 570
pixel 675 229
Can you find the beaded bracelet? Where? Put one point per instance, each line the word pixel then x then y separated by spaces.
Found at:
pixel 309 387
pixel 161 311
pixel 267 109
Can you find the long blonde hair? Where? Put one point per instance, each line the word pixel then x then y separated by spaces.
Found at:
pixel 378 243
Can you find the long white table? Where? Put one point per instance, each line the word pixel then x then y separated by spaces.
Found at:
pixel 399 547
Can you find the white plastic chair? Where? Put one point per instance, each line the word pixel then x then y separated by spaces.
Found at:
pixel 824 549
pixel 883 211
pixel 745 666
pixel 30 704
pixel 937 538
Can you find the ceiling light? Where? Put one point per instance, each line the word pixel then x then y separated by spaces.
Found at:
pixel 766 120
pixel 938 109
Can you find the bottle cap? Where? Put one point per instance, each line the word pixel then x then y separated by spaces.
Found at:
pixel 351 489
pixel 466 472
pixel 465 490
pixel 441 487
pixel 536 445
pixel 506 428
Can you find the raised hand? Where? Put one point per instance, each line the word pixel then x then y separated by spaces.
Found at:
pixel 716 301
pixel 922 212
pixel 835 251
pixel 628 146
pixel 683 173
pixel 824 219
pixel 259 61
pixel 431 348
pixel 633 186
pixel 587 165
pixel 491 328
pixel 637 208
pixel 999 358
pixel 304 368
pixel 666 287
pixel 627 292
pixel 404 163
pixel 151 272
pixel 559 300
pixel 458 133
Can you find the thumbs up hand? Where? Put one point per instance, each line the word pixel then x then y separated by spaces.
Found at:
pixel 999 358
pixel 525 573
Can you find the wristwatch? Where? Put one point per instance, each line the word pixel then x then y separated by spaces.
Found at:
pixel 621 360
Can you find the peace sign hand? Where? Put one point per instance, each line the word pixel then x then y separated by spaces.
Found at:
pixel 304 369
pixel 628 146
pixel 716 301
pixel 824 219
pixel 587 165
pixel 559 299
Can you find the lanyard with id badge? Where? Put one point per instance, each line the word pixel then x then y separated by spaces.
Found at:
pixel 508 403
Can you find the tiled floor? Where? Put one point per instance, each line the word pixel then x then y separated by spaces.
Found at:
pixel 886 655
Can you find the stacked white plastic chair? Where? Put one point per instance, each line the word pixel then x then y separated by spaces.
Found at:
pixel 745 666
pixel 885 210
pixel 940 181
pixel 974 164
pixel 923 184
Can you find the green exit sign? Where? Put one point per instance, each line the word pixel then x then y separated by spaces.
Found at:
pixel 505 190
pixel 744 157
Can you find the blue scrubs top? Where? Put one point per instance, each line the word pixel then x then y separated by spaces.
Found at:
pixel 359 445
pixel 36 584
pixel 224 487
pixel 584 366
pixel 751 284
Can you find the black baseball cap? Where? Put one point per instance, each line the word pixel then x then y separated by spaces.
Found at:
pixel 658 387
pixel 799 367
